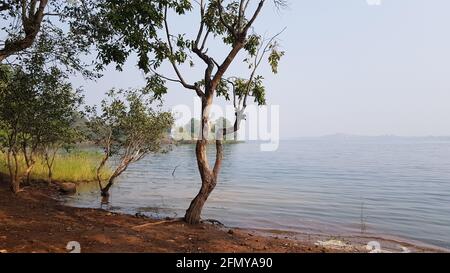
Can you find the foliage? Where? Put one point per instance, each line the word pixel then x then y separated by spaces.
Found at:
pixel 37 110
pixel 120 28
pixel 128 128
pixel 30 27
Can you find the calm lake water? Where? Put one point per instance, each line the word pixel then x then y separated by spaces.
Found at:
pixel 387 186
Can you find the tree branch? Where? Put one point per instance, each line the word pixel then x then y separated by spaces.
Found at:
pixel 222 20
pixel 174 65
pixel 255 15
pixel 31 27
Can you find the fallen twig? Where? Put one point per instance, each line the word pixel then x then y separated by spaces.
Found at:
pixel 155 224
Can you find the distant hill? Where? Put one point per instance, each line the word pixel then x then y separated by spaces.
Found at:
pixel 380 137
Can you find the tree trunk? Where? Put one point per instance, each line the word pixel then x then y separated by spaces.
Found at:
pixel 12 167
pixel 15 185
pixel 208 184
pixel 14 171
pixel 208 176
pixel 50 160
pixel 119 170
pixel 28 171
pixel 29 162
pixel 50 176
pixel 100 167
pixel 105 190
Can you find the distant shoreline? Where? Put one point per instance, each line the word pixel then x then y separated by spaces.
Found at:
pixel 352 136
pixel 190 142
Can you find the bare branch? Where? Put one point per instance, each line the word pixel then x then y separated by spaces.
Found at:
pixel 174 65
pixel 255 15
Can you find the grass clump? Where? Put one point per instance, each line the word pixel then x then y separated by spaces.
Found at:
pixel 74 166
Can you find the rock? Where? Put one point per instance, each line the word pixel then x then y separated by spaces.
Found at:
pixel 231 232
pixel 68 188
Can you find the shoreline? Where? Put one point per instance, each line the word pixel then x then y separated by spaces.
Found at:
pixel 35 221
pixel 358 242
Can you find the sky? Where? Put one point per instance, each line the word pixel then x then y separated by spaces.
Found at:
pixel 350 67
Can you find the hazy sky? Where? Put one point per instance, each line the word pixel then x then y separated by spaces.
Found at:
pixel 349 68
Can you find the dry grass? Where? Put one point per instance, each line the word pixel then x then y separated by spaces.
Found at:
pixel 75 166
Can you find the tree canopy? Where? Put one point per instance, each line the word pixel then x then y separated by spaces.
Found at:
pixel 29 26
pixel 127 127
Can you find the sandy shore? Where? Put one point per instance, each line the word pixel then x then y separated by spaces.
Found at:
pixel 33 221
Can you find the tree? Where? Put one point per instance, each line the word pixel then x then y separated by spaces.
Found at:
pixel 132 26
pixel 37 106
pixel 253 86
pixel 59 112
pixel 11 119
pixel 128 129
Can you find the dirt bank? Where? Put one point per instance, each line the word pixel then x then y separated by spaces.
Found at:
pixel 33 221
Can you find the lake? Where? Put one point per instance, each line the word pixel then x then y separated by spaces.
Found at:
pixel 337 185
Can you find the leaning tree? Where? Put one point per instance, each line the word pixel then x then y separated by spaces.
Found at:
pixel 121 28
pixel 127 128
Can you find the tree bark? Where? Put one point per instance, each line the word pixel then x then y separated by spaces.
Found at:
pixel 27 174
pixel 13 166
pixel 209 181
pixel 50 176
pixel 13 181
pixel 50 160
pixel 119 170
pixel 208 176
pixel 15 185
pixel 29 162
pixel 105 190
